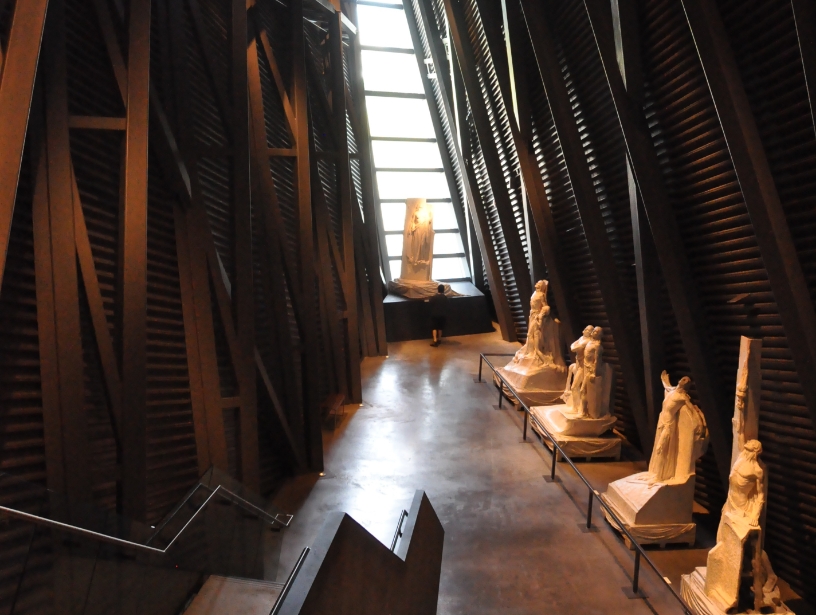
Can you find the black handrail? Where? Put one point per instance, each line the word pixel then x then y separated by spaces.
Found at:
pixel 639 552
pixel 219 491
pixel 292 575
pixel 398 533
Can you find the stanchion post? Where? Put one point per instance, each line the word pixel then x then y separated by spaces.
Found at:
pixel 589 510
pixel 501 395
pixel 481 361
pixel 524 435
pixel 636 574
pixel 554 459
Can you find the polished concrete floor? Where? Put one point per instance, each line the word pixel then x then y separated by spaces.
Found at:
pixel 514 543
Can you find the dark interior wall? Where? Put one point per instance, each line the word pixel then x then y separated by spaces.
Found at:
pixel 187 275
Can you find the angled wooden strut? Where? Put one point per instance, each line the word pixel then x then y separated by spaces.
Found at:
pixel 19 71
pixel 685 300
pixel 478 215
pixel 531 173
pixel 758 190
pixel 804 13
pixel 583 189
pixel 481 117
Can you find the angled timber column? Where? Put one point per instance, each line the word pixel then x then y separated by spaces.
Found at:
pixel 436 120
pixel 16 89
pixel 600 248
pixel 714 397
pixel 478 107
pixel 472 195
pixel 759 190
pixel 647 267
pixel 134 265
pixel 530 171
pixel 243 296
pixel 308 316
pixel 373 228
pixel 344 184
pixel 191 234
pixel 804 13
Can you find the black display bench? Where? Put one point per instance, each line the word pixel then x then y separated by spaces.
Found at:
pixel 410 319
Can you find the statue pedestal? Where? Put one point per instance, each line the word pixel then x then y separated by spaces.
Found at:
pixel 578 436
pixel 418 289
pixel 534 381
pixel 693 592
pixel 653 514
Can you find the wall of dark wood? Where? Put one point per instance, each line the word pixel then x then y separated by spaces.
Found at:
pixel 186 271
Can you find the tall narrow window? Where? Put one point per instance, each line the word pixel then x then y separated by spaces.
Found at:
pixel 407 160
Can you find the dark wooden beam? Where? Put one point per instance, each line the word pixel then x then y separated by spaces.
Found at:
pixel 478 107
pixel 300 105
pixel 373 228
pixel 16 88
pixel 436 117
pixel 467 65
pixel 68 338
pixel 804 13
pixel 97 123
pixel 531 173
pixel 714 397
pixel 583 189
pixel 243 295
pixel 625 21
pixel 345 187
pixel 758 190
pixel 133 265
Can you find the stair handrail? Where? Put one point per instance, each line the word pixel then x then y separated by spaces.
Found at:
pixel 121 542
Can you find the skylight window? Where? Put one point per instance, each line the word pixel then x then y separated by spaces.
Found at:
pixel 406 155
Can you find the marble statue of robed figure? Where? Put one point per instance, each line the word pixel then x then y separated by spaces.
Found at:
pixel 537 371
pixel 415 280
pixel 656 505
pixel 738 577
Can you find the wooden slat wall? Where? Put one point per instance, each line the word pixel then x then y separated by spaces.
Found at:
pixel 207 398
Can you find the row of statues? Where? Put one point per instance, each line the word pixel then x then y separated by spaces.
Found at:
pixel 656 505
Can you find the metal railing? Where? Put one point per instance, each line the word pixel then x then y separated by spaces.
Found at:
pixel 593 493
pixel 135 546
pixel 289 582
pixel 398 533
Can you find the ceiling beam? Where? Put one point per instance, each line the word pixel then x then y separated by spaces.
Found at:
pixel 804 14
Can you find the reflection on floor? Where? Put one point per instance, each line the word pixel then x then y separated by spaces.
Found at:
pixel 514 542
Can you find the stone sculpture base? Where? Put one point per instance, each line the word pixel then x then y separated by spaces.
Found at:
pixel 578 437
pixel 535 382
pixel 653 514
pixel 418 289
pixel 692 590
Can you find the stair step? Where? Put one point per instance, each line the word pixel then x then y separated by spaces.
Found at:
pixel 234 596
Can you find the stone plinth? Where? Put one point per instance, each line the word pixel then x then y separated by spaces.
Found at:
pixel 692 590
pixel 659 513
pixel 534 382
pixel 596 437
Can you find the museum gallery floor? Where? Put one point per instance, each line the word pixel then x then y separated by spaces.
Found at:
pixel 514 543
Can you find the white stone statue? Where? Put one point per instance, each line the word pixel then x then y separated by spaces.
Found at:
pixel 417 254
pixel 656 505
pixel 584 421
pixel 682 435
pixel 537 370
pixel 739 559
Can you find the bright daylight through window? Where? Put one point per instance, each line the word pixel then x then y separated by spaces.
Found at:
pixel 406 154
